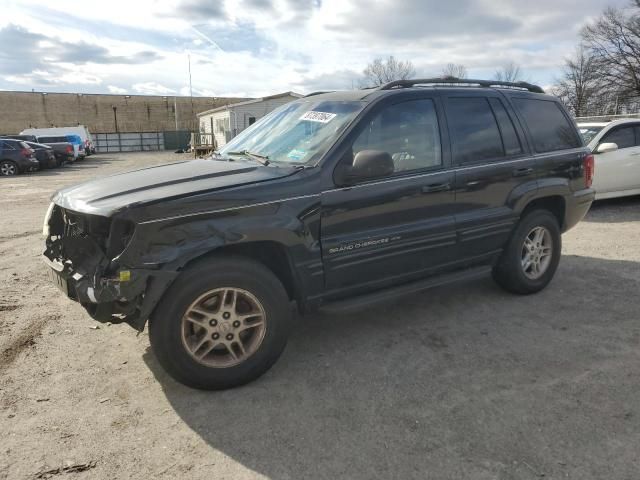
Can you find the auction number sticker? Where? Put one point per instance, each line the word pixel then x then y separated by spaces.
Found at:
pixel 320 117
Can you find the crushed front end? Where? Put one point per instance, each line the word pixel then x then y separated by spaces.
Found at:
pixel 84 251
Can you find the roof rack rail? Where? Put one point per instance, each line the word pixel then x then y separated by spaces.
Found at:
pixel 320 92
pixel 461 81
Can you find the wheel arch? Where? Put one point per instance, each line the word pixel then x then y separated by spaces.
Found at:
pixel 556 204
pixel 269 253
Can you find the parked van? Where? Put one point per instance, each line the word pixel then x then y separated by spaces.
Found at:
pixel 83 132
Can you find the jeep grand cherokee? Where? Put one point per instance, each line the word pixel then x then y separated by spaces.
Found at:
pixel 333 201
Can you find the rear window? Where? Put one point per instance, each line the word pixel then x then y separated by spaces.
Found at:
pixel 474 130
pixel 549 127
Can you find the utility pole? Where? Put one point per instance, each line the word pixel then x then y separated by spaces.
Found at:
pixel 190 86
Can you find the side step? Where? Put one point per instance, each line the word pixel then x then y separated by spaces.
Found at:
pixel 382 296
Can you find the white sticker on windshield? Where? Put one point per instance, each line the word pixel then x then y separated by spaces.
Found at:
pixel 321 117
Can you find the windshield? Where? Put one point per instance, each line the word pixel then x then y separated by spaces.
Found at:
pixel 589 132
pixel 299 132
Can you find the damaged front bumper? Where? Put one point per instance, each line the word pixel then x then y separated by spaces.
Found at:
pixel 80 266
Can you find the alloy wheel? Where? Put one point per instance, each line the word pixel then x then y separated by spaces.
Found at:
pixel 537 252
pixel 7 169
pixel 223 327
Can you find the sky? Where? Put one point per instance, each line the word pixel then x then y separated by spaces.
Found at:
pixel 251 48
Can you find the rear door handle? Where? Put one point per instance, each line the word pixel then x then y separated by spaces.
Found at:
pixel 436 187
pixel 522 172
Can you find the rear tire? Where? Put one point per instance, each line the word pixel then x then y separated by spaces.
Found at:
pixel 531 256
pixel 8 168
pixel 201 331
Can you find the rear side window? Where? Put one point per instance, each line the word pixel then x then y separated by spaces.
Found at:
pixel 624 137
pixel 549 127
pixel 474 131
pixel 510 138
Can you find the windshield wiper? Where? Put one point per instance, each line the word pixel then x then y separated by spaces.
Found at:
pixel 263 159
pixel 217 155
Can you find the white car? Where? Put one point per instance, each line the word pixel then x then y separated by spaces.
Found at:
pixel 616 148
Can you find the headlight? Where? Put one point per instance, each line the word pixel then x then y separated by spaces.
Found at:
pixel 47 217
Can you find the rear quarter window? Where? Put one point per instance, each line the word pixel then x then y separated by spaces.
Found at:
pixel 550 129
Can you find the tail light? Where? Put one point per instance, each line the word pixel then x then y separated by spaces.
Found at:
pixel 589 170
pixel 26 152
pixel 69 149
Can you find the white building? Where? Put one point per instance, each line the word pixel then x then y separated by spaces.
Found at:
pixel 228 121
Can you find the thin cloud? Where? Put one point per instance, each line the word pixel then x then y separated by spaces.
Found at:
pixel 264 46
pixel 30 51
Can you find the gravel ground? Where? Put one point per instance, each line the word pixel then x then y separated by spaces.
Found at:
pixel 464 382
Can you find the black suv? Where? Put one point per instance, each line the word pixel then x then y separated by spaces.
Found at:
pixel 333 201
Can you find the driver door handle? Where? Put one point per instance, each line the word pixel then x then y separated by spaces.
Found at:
pixel 436 187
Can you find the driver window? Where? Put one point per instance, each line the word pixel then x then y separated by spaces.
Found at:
pixel 408 131
pixel 624 137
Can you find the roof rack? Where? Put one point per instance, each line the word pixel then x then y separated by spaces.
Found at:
pixel 318 93
pixel 461 81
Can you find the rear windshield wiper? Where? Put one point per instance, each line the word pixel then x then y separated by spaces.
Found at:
pixel 263 159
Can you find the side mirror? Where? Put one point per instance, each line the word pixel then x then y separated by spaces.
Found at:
pixel 369 165
pixel 607 147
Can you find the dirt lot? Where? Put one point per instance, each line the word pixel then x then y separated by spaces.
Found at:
pixel 460 382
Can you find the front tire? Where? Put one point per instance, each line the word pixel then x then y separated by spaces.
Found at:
pixel 223 323
pixel 532 255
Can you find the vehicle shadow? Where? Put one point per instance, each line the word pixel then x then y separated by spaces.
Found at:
pixel 615 210
pixel 459 382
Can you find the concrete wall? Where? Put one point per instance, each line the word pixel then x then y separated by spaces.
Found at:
pixel 135 113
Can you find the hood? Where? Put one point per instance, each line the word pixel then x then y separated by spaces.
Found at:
pixel 105 196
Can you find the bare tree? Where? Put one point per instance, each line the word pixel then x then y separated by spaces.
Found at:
pixel 453 70
pixel 614 41
pixel 509 72
pixel 382 71
pixel 581 87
